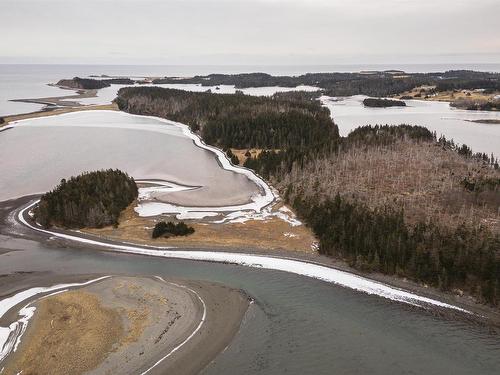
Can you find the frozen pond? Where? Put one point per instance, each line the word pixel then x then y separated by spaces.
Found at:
pixel 350 113
pixel 37 153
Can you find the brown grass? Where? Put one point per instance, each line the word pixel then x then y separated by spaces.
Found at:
pixel 72 334
pixel 271 234
pixel 240 153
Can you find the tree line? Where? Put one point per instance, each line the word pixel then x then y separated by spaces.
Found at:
pixel 380 240
pixel 370 83
pixel 236 120
pixel 374 83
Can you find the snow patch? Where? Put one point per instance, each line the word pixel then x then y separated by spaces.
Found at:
pixel 195 215
pixel 295 266
pixel 160 187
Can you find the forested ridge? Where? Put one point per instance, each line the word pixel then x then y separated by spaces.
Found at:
pixel 374 83
pixel 388 199
pixel 236 120
pixel 369 83
pixel 93 199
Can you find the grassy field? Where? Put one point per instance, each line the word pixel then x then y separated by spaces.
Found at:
pixel 269 234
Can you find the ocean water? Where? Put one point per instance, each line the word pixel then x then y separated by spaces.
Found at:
pixel 30 81
pixel 350 113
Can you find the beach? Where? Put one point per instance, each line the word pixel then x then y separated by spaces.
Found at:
pixel 129 325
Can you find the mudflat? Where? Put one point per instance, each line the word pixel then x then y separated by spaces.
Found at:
pixel 126 325
pixel 74 333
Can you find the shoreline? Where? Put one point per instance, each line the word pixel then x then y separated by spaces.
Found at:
pixel 11 335
pixel 254 203
pixel 314 266
pixel 160 319
pixel 394 281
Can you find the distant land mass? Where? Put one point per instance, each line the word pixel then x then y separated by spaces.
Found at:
pixel 370 83
pixel 92 84
pixel 484 86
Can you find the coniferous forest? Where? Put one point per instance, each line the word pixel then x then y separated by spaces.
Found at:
pixel 395 200
pixel 93 84
pixel 237 120
pixel 382 103
pixel 370 83
pixel 93 199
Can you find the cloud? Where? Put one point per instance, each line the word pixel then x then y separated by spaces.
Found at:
pixel 239 31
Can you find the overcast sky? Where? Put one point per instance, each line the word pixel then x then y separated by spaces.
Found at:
pixel 249 31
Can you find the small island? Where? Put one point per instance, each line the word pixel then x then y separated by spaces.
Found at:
pixel 93 200
pixel 383 103
pixel 92 84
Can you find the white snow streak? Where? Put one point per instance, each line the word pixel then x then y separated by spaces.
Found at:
pixel 295 266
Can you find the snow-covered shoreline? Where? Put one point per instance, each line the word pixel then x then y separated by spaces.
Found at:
pixel 258 202
pixel 295 266
pixel 10 336
pixel 146 208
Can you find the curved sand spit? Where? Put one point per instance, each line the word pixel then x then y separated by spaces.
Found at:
pixel 291 265
pixel 135 325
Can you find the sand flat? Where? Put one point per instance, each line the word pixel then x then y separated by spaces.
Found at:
pixel 126 325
